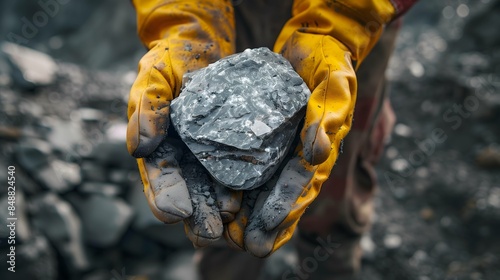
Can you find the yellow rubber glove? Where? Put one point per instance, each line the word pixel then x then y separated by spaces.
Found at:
pixel 181 36
pixel 322 40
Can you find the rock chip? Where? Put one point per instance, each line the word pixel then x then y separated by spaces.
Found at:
pixel 36 68
pixel 104 219
pixel 93 171
pixel 33 154
pixel 105 189
pixel 57 220
pixel 239 115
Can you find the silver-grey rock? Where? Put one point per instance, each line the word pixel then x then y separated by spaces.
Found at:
pixel 104 219
pixel 240 114
pixel 60 223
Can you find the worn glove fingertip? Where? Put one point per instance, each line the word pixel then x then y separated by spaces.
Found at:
pixel 172 200
pixel 174 206
pixel 147 145
pixel 316 144
pixel 259 242
pixel 139 145
pixel 132 134
pixel 231 242
pixel 229 203
pixel 196 237
pixel 273 217
pixel 234 231
pixel 165 217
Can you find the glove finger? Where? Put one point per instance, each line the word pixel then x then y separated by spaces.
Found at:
pixel 326 66
pixel 262 243
pixel 270 226
pixel 164 187
pixel 228 201
pixel 292 184
pixel 149 102
pixel 205 225
pixel 328 116
pixel 234 231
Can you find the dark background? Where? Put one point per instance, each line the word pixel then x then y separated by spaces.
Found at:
pixel 80 208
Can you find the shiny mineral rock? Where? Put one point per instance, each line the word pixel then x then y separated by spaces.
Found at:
pixel 240 114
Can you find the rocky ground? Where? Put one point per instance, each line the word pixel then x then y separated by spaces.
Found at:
pixel 80 208
pixel 439 201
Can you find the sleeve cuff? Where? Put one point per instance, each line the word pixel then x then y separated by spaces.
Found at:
pixel 402 6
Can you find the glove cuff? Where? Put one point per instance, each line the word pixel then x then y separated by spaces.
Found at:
pixel 193 21
pixel 356 24
pixel 192 33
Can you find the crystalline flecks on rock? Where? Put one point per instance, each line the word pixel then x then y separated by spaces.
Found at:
pixel 239 115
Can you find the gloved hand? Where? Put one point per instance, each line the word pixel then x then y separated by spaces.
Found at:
pixel 322 40
pixel 181 36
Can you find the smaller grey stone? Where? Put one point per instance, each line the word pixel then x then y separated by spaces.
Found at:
pixel 26 183
pixel 58 221
pixel 33 154
pixel 117 131
pixel 369 248
pixel 122 177
pixel 90 114
pixel 31 108
pixel 392 241
pixel 51 179
pixel 59 176
pixel 418 258
pixel 64 135
pixel 113 154
pixel 93 171
pixel 104 219
pixel 69 172
pixel 36 157
pixel 37 68
pixel 100 188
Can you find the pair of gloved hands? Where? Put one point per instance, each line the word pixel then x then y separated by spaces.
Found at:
pixel 321 40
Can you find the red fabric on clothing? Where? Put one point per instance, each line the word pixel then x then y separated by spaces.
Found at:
pixel 402 5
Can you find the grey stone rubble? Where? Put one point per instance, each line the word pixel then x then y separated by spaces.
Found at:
pixel 34 68
pixel 239 115
pixel 79 201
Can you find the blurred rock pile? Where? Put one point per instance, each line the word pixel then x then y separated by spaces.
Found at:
pixel 72 30
pixel 80 207
pixel 444 194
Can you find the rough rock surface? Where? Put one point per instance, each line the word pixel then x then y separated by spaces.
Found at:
pixel 240 114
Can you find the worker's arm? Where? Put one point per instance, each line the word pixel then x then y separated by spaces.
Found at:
pixel 325 41
pixel 181 36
